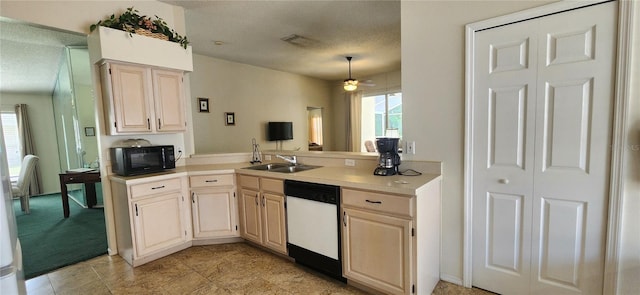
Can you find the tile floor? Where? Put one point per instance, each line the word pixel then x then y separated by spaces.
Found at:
pixel 215 269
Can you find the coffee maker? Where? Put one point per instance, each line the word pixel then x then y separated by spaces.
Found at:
pixel 389 159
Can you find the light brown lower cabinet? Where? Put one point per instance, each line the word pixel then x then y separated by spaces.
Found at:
pixel 262 212
pixel 391 243
pixel 151 217
pixel 377 250
pixel 214 206
pixel 158 223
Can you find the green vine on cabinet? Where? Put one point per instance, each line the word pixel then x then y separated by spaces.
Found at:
pixel 131 20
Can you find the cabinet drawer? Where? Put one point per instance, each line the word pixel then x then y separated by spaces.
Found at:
pixel 252 182
pixel 272 185
pixel 378 202
pixel 211 180
pixel 156 187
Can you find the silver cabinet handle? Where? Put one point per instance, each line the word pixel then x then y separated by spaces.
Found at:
pixel 504 181
pixel 374 202
pixel 256 200
pixel 193 197
pixel 215 180
pixel 158 187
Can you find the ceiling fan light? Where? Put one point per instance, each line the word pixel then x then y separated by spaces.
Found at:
pixel 350 85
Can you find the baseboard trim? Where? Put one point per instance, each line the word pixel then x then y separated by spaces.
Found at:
pixel 215 241
pixel 451 279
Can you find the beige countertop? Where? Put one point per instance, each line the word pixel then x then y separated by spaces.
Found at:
pixel 341 176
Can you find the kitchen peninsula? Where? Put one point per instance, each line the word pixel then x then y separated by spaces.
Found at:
pixel 395 219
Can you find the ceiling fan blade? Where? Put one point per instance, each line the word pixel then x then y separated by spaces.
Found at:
pixel 367 83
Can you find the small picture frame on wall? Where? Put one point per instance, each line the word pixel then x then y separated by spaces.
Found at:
pixel 89 131
pixel 203 104
pixel 230 119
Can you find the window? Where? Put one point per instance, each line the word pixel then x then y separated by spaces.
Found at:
pixel 12 143
pixel 382 116
pixel 315 126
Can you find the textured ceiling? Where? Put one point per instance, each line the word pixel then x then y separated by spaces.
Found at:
pixel 30 56
pixel 251 33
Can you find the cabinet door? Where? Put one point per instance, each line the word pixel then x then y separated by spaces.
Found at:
pixel 275 233
pixel 213 212
pixel 251 217
pixel 168 100
pixel 131 95
pixel 158 223
pixel 376 250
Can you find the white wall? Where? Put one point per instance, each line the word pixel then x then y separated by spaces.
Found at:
pixel 629 268
pixel 256 95
pixel 433 100
pixel 40 108
pixel 433 91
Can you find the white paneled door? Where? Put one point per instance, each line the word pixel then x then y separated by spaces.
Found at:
pixel 543 93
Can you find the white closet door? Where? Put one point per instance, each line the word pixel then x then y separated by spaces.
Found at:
pixel 504 117
pixel 542 121
pixel 572 151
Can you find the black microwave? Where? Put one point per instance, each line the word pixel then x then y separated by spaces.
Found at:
pixel 127 161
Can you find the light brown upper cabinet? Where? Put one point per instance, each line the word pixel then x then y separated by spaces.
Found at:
pixel 140 99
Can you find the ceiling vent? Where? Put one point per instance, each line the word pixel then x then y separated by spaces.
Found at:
pixel 298 40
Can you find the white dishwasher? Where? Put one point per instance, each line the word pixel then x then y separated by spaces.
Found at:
pixel 313 226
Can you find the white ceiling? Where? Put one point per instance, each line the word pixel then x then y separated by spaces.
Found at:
pixel 251 33
pixel 30 56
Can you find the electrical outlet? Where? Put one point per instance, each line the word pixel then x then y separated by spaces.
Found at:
pixel 411 147
pixel 267 157
pixel 349 162
pixel 179 149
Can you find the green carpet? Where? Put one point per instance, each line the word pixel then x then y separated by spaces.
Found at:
pixel 50 241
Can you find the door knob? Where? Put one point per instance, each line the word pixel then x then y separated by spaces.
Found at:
pixel 504 181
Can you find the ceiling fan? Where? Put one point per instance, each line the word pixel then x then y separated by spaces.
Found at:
pixel 351 84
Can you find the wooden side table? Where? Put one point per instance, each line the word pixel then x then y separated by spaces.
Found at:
pixel 89 179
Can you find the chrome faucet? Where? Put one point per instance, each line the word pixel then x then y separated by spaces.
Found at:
pixel 291 159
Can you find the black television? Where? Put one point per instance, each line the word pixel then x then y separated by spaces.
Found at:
pixel 280 131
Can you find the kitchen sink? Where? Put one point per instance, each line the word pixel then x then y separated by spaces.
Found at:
pixel 268 167
pixel 282 167
pixel 294 168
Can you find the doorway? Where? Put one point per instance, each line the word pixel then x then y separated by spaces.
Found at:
pixel 315 132
pixel 49 71
pixel 540 151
